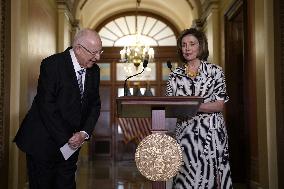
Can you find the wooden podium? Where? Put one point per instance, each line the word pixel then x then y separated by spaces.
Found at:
pixel 158 108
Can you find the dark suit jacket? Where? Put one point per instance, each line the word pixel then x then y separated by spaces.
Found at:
pixel 57 112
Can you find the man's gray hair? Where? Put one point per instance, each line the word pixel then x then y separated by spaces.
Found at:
pixel 82 35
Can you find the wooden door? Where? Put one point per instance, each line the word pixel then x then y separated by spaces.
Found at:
pixel 236 85
pixel 279 83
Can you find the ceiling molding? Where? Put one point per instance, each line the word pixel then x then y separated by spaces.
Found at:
pixel 181 13
pixel 208 4
pixel 67 3
pixel 83 4
pixel 68 6
pixel 190 4
pixel 207 8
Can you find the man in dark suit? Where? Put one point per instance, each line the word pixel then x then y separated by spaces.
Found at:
pixel 64 111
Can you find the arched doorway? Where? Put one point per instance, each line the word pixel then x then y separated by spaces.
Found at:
pixel 109 141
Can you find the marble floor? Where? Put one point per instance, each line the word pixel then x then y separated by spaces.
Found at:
pixel 105 174
pixel 110 175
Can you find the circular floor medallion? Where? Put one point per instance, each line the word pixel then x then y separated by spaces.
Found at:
pixel 158 157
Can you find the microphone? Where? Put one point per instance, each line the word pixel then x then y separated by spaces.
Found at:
pixel 145 63
pixel 169 64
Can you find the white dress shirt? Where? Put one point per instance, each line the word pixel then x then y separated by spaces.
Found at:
pixel 77 67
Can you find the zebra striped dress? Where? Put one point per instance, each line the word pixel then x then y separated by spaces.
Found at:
pixel 203 138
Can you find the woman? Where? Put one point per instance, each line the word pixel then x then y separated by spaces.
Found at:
pixel 203 138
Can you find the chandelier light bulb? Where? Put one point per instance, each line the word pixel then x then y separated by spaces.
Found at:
pixel 139 50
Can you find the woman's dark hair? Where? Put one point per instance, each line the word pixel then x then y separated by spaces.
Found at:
pixel 203 44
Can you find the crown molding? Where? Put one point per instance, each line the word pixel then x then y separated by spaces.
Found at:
pixel 207 7
pixel 67 7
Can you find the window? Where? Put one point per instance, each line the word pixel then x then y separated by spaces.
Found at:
pixel 121 31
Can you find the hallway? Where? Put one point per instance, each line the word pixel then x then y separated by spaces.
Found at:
pixel 245 38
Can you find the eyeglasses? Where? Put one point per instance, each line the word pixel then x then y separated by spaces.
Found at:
pixel 92 53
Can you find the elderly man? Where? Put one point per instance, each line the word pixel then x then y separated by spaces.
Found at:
pixel 63 113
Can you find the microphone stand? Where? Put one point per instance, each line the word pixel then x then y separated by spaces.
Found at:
pixel 169 65
pixel 125 85
pixel 145 62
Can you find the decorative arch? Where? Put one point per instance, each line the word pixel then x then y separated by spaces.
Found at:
pixel 153 28
pixel 92 12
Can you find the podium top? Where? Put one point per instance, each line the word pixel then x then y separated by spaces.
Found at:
pixel 142 106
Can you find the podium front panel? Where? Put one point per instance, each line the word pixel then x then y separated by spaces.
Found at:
pixel 142 106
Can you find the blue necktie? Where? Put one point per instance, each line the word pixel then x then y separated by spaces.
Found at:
pixel 80 83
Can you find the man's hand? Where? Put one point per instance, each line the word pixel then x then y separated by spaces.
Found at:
pixel 77 140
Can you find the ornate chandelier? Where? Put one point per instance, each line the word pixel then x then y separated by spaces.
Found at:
pixel 138 51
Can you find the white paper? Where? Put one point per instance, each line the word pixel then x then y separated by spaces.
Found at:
pixel 67 151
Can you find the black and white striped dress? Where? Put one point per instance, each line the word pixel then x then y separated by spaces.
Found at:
pixel 203 138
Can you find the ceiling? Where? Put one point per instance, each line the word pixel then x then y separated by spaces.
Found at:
pixel 180 13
